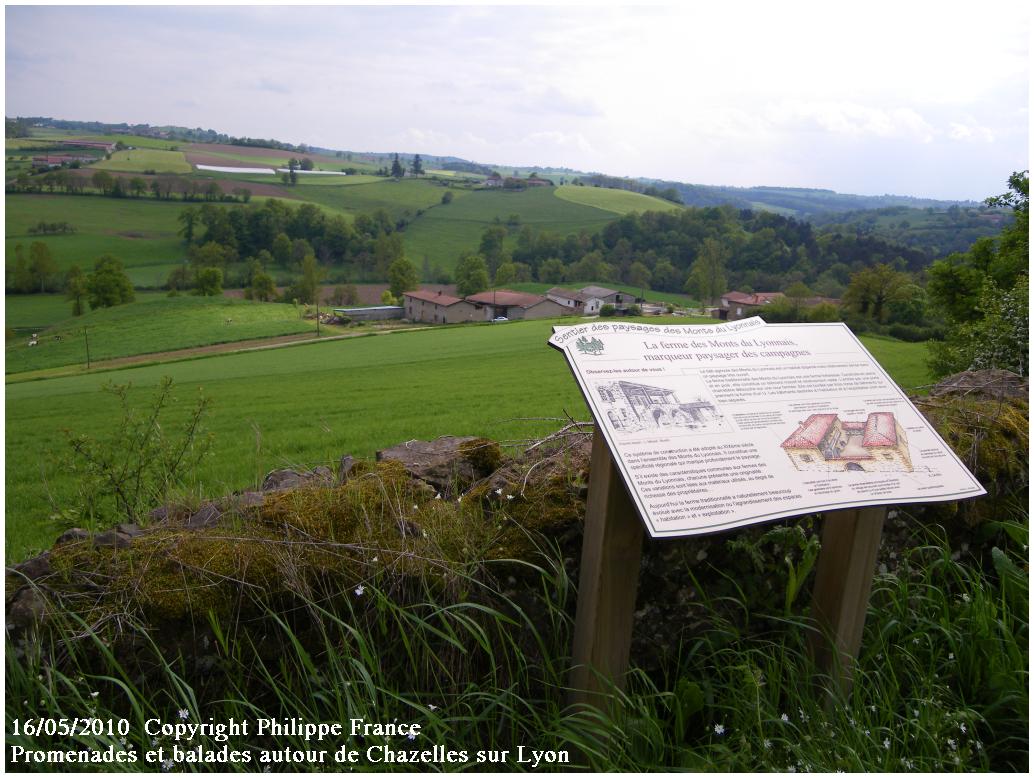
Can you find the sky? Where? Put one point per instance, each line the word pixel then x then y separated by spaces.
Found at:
pixel 929 99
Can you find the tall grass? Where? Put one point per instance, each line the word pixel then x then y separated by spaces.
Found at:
pixel 481 665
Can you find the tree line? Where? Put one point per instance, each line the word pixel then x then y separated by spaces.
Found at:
pixel 103 183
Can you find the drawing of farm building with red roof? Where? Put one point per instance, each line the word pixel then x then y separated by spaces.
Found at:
pixel 824 442
pixel 632 407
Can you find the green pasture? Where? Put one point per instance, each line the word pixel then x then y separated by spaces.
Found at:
pixel 399 198
pixel 141 232
pixel 138 141
pixel 614 200
pixel 39 311
pixel 442 233
pixel 279 160
pixel 308 405
pixel 139 160
pixel 156 323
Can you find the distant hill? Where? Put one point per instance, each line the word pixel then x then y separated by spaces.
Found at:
pixel 788 201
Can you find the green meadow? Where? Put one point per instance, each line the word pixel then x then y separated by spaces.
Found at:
pixel 310 404
pixel 139 160
pixel 142 233
pixel 614 200
pixel 155 324
pixel 22 311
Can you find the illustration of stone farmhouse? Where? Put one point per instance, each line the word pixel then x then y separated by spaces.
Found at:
pixel 824 442
pixel 632 407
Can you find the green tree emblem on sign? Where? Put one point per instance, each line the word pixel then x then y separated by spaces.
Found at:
pixel 586 346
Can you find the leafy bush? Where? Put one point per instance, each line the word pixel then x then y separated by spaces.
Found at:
pixel 607 310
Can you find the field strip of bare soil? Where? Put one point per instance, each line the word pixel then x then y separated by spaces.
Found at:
pixel 259 344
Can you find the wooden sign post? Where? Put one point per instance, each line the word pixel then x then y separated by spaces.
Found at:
pixel 707 428
pixel 609 580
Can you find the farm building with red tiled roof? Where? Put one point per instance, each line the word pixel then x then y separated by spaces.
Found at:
pixel 824 442
pixel 507 304
pixel 438 308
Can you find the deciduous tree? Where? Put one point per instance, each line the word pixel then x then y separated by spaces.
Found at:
pixel 108 285
pixel 42 266
pixel 471 275
pixel 402 277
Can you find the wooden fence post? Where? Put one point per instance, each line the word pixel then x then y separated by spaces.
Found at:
pixel 607 581
pixel 843 581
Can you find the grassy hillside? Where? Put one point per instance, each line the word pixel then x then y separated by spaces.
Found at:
pixel 442 233
pixel 157 323
pixel 401 199
pixel 310 404
pixel 614 200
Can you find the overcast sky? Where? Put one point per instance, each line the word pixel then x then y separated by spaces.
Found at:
pixel 926 99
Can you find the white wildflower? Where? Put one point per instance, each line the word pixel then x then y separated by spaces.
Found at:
pixel 962 728
pixel 94 694
pixel 767 743
pixel 411 736
pixel 509 497
pixel 965 597
pixel 784 717
pixel 438 496
pixel 952 744
pixel 886 743
pixel 499 491
pixel 184 713
pixel 432 707
pixel 951 655
pixel 359 590
pixel 719 729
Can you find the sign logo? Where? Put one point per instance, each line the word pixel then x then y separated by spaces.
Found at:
pixel 586 346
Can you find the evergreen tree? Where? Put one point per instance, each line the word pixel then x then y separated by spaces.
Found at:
pixel 417 168
pixel 397 170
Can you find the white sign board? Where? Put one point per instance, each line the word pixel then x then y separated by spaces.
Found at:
pixel 720 426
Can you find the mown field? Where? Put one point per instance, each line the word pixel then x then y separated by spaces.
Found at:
pixel 139 160
pixel 309 405
pixel 156 323
pixel 614 200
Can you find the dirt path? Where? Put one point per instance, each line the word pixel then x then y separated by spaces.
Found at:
pixel 260 344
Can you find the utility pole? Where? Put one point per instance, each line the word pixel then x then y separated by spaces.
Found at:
pixel 87 338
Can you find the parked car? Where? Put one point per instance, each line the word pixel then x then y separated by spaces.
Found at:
pixel 499 319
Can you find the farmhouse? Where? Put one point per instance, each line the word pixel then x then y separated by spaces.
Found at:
pixel 824 442
pixel 577 302
pixel 515 305
pixel 618 299
pixel 739 305
pixel 439 308
pixel 632 407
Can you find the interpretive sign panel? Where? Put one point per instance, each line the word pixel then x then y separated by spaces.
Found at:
pixel 724 425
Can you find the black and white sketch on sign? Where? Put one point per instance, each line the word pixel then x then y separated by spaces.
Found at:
pixel 633 407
